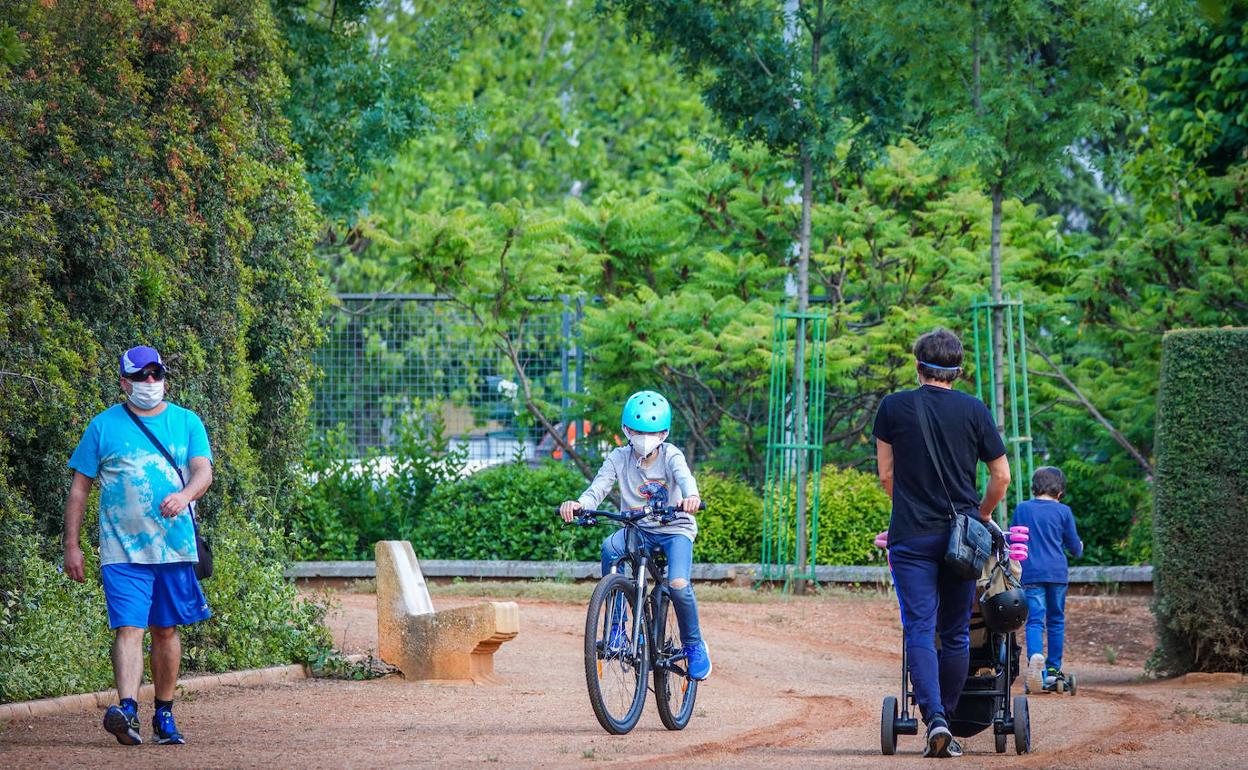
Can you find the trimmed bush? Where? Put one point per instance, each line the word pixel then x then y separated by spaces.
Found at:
pixel 505 512
pixel 852 510
pixel 1201 502
pixel 730 530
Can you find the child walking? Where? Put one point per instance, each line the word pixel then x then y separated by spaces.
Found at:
pixel 1052 532
pixel 650 471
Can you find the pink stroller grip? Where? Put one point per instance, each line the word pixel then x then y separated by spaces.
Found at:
pixel 1018 554
pixel 1019 537
pixel 1021 529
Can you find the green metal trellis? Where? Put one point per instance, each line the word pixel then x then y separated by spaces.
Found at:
pixel 786 454
pixel 1018 439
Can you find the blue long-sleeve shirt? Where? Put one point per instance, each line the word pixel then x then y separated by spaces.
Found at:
pixel 1052 533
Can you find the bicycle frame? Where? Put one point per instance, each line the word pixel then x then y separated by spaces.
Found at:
pixel 643 568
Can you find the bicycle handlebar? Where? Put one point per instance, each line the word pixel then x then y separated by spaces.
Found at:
pixel 665 514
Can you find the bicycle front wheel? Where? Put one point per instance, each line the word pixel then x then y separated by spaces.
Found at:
pixel 616 664
pixel 674 691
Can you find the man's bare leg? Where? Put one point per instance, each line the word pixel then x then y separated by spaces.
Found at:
pixel 166 660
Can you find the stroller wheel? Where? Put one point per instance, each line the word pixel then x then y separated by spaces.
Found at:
pixel 998 742
pixel 1071 684
pixel 888 727
pixel 1022 725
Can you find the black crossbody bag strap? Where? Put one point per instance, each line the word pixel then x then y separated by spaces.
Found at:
pixel 156 443
pixel 926 428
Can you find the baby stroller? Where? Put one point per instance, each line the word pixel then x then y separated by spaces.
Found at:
pixel 994 665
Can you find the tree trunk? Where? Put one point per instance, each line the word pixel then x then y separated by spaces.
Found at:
pixel 998 326
pixel 799 368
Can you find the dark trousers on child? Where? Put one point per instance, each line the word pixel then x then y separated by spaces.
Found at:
pixel 933 602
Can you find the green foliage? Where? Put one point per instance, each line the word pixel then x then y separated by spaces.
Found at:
pixel 505 512
pixel 853 509
pixel 153 197
pixel 1202 502
pixel 1005 90
pixel 359 71
pixel 55 631
pixel 730 530
pixel 344 507
pixel 259 619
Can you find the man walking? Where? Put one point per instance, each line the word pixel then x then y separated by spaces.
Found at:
pixel 147 537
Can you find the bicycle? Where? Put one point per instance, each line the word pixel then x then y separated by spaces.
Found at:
pixel 623 647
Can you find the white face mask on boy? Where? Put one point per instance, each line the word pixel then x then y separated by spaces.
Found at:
pixel 645 443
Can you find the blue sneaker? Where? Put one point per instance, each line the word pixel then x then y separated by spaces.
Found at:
pixel 698 660
pixel 124 725
pixel 165 729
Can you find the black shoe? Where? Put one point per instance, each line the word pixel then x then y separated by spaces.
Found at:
pixel 938 738
pixel 124 725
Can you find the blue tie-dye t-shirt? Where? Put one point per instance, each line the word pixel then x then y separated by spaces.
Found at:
pixel 134 478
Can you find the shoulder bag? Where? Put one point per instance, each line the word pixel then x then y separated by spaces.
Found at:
pixel 969 540
pixel 203 567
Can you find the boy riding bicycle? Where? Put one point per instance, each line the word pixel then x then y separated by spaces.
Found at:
pixel 651 472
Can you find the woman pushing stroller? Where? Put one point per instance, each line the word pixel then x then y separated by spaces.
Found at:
pixel 923 486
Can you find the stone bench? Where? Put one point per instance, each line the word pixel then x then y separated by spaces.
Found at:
pixel 424 643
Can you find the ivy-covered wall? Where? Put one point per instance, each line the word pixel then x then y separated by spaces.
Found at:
pixel 1201 513
pixel 151 196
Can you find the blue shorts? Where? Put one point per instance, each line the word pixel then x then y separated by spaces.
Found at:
pixel 163 595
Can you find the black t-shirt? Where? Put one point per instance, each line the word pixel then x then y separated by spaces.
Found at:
pixel 963 433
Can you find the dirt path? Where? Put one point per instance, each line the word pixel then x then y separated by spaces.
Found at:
pixel 795 684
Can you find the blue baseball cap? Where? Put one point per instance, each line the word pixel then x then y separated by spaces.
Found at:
pixel 137 358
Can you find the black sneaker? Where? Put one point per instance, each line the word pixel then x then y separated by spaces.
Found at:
pixel 164 728
pixel 939 738
pixel 124 725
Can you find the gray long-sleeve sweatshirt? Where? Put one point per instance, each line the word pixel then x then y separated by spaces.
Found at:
pixel 666 482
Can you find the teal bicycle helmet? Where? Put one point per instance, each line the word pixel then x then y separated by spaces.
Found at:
pixel 647 412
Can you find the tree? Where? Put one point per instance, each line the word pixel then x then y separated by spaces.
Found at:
pixel 503 266
pixel 1006 89
pixel 359 73
pixel 787 78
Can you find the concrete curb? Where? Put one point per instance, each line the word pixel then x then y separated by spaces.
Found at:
pixel 105 698
pixel 579 570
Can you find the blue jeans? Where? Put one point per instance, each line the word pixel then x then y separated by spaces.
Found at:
pixel 679 552
pixel 1046 612
pixel 933 601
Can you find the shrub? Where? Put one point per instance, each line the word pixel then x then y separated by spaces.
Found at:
pixel 505 512
pixel 1201 502
pixel 342 506
pixel 258 619
pixel 152 196
pixel 852 510
pixel 731 528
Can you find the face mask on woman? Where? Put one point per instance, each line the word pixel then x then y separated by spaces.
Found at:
pixel 147 395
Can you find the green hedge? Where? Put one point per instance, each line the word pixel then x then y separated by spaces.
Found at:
pixel 730 530
pixel 1201 508
pixel 505 512
pixel 151 196
pixel 853 509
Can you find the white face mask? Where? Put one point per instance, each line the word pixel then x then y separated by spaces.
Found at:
pixel 147 395
pixel 645 443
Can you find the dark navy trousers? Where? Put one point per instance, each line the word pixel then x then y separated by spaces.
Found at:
pixel 933 602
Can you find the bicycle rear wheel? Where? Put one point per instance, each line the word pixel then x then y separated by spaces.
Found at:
pixel 615 663
pixel 674 691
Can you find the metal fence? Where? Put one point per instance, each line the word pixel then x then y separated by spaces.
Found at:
pixel 393 359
